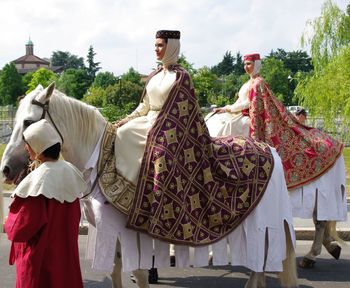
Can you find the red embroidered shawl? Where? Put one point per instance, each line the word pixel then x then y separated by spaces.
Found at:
pixel 193 189
pixel 306 152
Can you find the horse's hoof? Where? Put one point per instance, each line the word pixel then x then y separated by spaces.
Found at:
pixel 172 261
pixel 153 276
pixel 306 263
pixel 336 252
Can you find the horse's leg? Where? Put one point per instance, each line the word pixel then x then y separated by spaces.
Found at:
pixel 328 240
pixel 256 280
pixel 308 260
pixel 141 276
pixel 289 277
pixel 117 268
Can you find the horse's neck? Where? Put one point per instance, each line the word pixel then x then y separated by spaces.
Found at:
pixel 80 126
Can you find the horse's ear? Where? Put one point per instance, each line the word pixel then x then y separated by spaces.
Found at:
pixel 49 89
pixel 46 93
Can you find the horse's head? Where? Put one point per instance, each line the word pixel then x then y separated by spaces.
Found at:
pixel 15 160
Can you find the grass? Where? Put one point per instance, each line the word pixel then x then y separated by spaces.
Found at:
pixel 346 154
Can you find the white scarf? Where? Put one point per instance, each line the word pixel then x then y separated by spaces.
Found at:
pixel 256 69
pixel 172 52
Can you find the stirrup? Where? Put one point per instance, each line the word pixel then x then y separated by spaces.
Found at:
pixel 306 263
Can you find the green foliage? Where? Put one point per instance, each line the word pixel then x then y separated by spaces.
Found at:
pixel 26 79
pixel 10 84
pixel 229 64
pixel 125 95
pixel 206 85
pixel 329 33
pixel 104 79
pixel 276 75
pixel 132 76
pixel 95 96
pixel 294 61
pixel 41 76
pixel 225 67
pixel 187 65
pixel 67 60
pixel 92 67
pixel 327 93
pixel 74 82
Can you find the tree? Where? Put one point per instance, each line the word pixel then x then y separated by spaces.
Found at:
pixel 92 67
pixel 328 92
pixel 132 76
pixel 10 84
pixel 67 60
pixel 41 76
pixel 26 79
pixel 327 34
pixel 95 96
pixel 206 85
pixel 294 61
pixel 74 82
pixel 226 66
pixel 276 75
pixel 187 65
pixel 104 79
pixel 238 67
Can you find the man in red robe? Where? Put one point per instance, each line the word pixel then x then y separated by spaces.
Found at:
pixel 44 216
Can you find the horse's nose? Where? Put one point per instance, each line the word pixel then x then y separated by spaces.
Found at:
pixel 6 171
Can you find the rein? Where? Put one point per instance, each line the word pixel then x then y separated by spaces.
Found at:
pixel 45 107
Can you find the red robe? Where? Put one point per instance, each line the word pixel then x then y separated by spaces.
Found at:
pixel 44 235
pixel 307 153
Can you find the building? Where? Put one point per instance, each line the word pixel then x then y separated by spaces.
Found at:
pixel 30 63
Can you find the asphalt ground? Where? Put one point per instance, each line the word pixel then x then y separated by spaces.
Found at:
pixel 326 273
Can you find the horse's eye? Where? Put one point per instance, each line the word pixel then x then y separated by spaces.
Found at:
pixel 27 123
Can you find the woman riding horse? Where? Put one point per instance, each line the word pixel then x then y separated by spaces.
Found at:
pixel 191 189
pixel 312 160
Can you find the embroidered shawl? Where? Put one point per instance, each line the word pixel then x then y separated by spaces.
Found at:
pixel 306 152
pixel 193 189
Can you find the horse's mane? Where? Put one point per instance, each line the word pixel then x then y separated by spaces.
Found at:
pixel 72 111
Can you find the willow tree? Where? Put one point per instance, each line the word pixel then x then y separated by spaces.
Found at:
pixel 326 91
pixel 327 34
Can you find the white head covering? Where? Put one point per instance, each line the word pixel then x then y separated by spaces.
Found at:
pixel 172 52
pixel 256 69
pixel 41 135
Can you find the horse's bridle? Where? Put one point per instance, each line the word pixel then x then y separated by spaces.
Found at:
pixel 45 107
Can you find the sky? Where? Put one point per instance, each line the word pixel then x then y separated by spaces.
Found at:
pixel 122 32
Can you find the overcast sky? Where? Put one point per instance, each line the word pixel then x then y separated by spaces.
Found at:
pixel 122 31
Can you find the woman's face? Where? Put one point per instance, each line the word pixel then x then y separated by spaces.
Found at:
pixel 160 47
pixel 249 67
pixel 30 152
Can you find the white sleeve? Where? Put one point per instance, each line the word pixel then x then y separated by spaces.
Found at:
pixel 141 110
pixel 239 105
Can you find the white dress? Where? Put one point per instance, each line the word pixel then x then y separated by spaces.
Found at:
pixel 233 122
pixel 131 137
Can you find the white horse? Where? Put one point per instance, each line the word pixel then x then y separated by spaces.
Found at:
pixel 81 127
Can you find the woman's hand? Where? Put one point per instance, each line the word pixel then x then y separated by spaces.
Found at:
pixel 120 123
pixel 221 110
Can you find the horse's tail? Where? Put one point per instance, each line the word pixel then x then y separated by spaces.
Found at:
pixel 331 230
pixel 289 277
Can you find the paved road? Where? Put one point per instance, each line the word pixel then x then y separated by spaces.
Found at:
pixel 327 272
